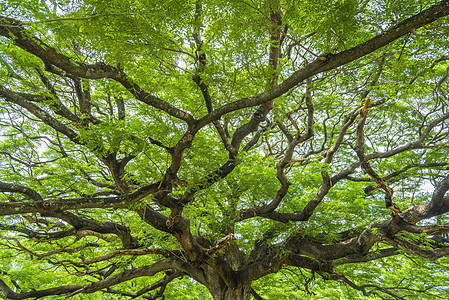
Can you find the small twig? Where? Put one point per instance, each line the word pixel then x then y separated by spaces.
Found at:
pixel 403 46
pixel 308 281
pixel 154 163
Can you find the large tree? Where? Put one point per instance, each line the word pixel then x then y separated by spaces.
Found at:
pixel 153 148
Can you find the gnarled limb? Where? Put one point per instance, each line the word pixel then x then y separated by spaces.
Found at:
pixel 161 284
pixel 76 203
pixel 133 252
pixel 18 99
pixel 335 60
pixel 71 290
pixel 82 224
pixel 359 148
pixel 14 188
pixel 12 29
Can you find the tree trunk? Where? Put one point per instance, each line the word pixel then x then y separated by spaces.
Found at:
pixel 242 293
pixel 220 290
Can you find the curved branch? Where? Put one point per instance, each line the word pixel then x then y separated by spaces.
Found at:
pixel 15 188
pixel 67 250
pixel 335 60
pixel 256 295
pixel 39 235
pixel 10 294
pixel 40 206
pixel 438 194
pixel 359 149
pixel 411 248
pixel 12 29
pixel 133 252
pixel 170 276
pixel 426 210
pixel 374 255
pixel 363 288
pixel 83 224
pixel 56 104
pixel 71 290
pixel 17 98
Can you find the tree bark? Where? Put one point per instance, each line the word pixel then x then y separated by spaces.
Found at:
pixel 242 293
pixel 221 291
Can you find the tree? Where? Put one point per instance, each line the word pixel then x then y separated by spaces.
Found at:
pixel 236 145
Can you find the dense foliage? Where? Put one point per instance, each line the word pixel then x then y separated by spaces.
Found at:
pixel 271 149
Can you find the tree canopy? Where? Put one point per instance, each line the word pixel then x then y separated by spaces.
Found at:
pixel 210 149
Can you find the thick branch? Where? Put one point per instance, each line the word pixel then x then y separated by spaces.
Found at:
pixel 41 114
pixel 170 276
pixel 82 224
pixel 335 60
pixel 12 29
pixel 16 208
pixel 374 255
pixel 170 263
pixel 360 150
pixel 39 235
pixel 10 294
pixel 133 252
pixel 411 248
pixel 14 188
